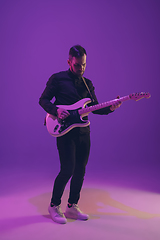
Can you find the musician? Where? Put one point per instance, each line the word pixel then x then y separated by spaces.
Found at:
pixel 68 87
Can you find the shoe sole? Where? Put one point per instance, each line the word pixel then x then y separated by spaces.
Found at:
pixel 75 218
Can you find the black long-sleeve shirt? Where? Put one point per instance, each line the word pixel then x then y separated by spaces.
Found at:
pixel 67 89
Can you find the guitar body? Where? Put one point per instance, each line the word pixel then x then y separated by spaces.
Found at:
pixel 58 127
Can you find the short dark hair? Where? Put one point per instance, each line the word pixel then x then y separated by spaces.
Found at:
pixel 77 51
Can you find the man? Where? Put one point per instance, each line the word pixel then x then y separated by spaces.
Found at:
pixel 68 87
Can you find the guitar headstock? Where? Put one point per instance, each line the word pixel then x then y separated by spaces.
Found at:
pixel 138 96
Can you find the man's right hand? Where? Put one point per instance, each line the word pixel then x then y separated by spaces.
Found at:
pixel 62 113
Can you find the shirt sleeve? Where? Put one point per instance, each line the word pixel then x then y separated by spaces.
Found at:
pixel 102 111
pixel 47 95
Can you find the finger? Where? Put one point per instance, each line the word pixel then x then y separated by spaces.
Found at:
pixel 112 107
pixel 66 112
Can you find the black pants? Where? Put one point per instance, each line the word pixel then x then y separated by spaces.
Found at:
pixel 74 149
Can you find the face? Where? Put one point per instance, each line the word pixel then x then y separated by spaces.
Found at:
pixel 77 65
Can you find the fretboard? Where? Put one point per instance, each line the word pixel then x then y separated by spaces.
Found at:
pixel 85 111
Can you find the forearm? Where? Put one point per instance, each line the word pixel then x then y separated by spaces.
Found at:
pixel 48 106
pixel 102 111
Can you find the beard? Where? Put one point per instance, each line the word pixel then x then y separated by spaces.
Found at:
pixel 78 73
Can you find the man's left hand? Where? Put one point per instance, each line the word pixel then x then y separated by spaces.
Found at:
pixel 116 105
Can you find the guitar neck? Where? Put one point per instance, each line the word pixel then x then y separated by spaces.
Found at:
pixel 87 110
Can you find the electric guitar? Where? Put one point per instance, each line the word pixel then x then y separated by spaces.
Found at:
pixel 58 127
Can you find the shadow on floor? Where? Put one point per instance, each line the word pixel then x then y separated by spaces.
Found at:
pixel 92 202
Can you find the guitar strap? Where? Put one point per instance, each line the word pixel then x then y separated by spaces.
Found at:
pixel 88 89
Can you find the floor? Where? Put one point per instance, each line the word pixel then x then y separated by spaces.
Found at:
pixel 115 212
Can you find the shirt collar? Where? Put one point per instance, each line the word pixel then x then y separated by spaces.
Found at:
pixel 73 76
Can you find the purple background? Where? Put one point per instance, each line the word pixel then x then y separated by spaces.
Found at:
pixel 122 42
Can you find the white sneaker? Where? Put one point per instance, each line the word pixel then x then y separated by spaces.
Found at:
pixel 75 213
pixel 56 214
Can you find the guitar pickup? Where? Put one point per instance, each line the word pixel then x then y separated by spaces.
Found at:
pixel 56 127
